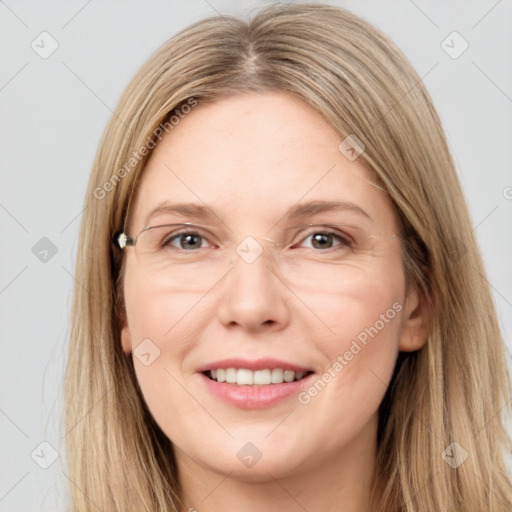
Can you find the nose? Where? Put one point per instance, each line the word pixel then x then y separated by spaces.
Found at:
pixel 253 296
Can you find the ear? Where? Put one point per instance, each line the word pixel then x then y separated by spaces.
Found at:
pixel 414 324
pixel 126 341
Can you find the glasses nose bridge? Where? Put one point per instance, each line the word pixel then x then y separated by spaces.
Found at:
pixel 255 266
pixel 253 248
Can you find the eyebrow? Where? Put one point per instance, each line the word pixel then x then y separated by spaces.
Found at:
pixel 299 211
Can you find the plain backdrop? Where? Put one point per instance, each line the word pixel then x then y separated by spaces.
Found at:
pixel 54 110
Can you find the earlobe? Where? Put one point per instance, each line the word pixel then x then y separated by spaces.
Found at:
pixel 415 342
pixel 414 326
pixel 126 342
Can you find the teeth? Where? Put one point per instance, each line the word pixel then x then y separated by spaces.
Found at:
pixel 289 376
pixel 261 377
pixel 245 377
pixel 277 376
pixel 231 375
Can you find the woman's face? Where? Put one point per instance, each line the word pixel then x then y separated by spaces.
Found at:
pixel 254 295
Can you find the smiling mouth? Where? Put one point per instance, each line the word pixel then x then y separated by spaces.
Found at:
pixel 245 377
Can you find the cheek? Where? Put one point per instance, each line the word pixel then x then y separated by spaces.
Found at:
pixel 361 309
pixel 361 352
pixel 360 317
pixel 163 327
pixel 157 313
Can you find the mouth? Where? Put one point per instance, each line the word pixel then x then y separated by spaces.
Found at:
pixel 254 384
pixel 263 377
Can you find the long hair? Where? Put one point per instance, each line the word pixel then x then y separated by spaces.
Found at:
pixel 445 402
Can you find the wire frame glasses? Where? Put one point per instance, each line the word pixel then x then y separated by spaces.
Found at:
pixel 189 257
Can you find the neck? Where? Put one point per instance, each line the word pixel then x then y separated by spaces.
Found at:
pixel 341 481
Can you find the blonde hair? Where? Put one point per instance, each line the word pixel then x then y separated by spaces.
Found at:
pixel 452 390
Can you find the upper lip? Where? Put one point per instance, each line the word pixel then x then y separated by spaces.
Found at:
pixel 255 364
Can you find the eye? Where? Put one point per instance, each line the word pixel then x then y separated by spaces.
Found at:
pixel 186 241
pixel 327 240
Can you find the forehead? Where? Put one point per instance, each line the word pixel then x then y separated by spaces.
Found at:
pixel 253 157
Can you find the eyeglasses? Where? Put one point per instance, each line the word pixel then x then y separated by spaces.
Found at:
pixel 188 257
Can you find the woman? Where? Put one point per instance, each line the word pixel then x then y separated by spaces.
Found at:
pixel 281 303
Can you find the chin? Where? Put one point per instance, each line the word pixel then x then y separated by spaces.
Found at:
pixel 255 461
pixel 265 469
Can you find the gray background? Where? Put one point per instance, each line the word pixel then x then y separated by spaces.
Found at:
pixel 54 110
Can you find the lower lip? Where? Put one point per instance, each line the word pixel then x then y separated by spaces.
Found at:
pixel 254 397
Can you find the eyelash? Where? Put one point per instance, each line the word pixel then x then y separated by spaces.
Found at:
pixel 345 240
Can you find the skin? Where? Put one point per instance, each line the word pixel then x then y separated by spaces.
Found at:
pixel 250 158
